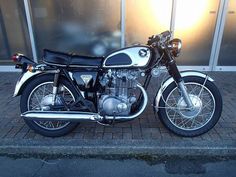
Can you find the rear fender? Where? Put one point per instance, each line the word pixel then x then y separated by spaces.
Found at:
pixel 23 79
pixel 170 80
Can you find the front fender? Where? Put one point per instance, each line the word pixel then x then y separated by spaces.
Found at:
pixel 23 79
pixel 170 80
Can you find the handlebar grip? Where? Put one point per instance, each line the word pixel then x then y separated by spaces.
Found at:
pixel 152 39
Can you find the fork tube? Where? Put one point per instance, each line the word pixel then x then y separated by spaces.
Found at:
pixel 55 86
pixel 174 72
pixel 185 94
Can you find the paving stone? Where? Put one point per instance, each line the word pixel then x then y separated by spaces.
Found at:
pixel 29 135
pixel 98 135
pixel 116 135
pixel 78 136
pixel 20 135
pixel 99 129
pixel 165 135
pixel 39 137
pixel 89 136
pixel 127 136
pixel 107 135
pixel 12 133
pixel 69 136
pixel 126 130
pixel 5 130
pixel 206 137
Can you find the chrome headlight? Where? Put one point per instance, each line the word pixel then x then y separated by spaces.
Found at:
pixel 176 46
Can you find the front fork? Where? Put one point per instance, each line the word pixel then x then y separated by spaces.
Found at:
pixel 174 72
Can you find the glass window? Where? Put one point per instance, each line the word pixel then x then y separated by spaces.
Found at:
pixel 4 46
pixel 227 56
pixel 13 31
pixel 85 27
pixel 146 18
pixel 195 25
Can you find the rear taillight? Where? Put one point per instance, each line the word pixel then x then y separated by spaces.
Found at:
pixel 16 57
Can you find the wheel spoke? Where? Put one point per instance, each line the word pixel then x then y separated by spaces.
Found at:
pixel 184 118
pixel 36 97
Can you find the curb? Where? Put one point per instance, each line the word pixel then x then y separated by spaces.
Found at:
pixel 117 147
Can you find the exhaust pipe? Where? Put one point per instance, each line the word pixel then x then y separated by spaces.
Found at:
pixel 61 115
pixel 81 116
pixel 138 113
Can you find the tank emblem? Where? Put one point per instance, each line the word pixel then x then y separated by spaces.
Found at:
pixel 86 78
pixel 142 53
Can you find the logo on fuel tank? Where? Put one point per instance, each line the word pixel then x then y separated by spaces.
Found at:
pixel 142 53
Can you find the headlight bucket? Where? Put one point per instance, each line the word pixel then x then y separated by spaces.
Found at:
pixel 176 45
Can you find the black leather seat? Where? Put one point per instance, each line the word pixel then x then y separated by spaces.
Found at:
pixel 70 60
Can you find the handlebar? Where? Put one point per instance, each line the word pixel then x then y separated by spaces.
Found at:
pixel 166 34
pixel 153 39
pixel 160 39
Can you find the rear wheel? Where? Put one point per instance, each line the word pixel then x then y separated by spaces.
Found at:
pixel 206 111
pixel 37 95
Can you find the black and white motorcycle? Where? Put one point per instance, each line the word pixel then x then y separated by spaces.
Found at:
pixel 68 89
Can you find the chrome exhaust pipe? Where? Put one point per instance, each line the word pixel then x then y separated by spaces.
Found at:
pixel 61 115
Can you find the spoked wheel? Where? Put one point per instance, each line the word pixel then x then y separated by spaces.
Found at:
pixel 205 113
pixel 38 96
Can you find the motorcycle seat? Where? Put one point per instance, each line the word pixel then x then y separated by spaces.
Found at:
pixel 70 60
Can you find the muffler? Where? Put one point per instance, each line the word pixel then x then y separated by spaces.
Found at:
pixel 61 115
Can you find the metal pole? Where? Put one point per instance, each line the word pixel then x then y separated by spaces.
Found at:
pixel 173 14
pixel 218 33
pixel 123 14
pixel 30 28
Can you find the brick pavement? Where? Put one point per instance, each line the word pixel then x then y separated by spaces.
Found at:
pixel 147 127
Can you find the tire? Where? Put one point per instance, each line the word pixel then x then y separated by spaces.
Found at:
pixel 190 118
pixel 37 126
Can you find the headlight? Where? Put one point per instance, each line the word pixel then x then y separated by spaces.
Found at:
pixel 176 46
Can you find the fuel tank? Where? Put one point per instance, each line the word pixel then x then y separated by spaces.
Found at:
pixel 135 56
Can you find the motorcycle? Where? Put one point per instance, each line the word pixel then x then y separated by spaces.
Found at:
pixel 68 89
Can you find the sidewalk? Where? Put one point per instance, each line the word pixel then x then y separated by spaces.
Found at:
pixel 145 135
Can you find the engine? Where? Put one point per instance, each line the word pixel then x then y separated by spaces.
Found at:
pixel 119 92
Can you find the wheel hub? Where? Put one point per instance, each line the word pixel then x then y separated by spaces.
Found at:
pixel 192 112
pixel 46 102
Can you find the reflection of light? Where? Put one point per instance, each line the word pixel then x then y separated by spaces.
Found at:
pixel 160 11
pixel 190 13
pixel 145 18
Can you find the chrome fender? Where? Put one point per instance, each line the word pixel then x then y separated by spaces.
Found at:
pixel 23 79
pixel 170 80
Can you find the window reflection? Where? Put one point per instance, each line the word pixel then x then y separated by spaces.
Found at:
pixel 13 30
pixel 146 18
pixel 86 27
pixel 195 26
pixel 227 52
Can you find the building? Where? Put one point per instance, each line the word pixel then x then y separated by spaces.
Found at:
pixel 96 27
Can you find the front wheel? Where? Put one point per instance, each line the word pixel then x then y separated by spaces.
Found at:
pixel 206 111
